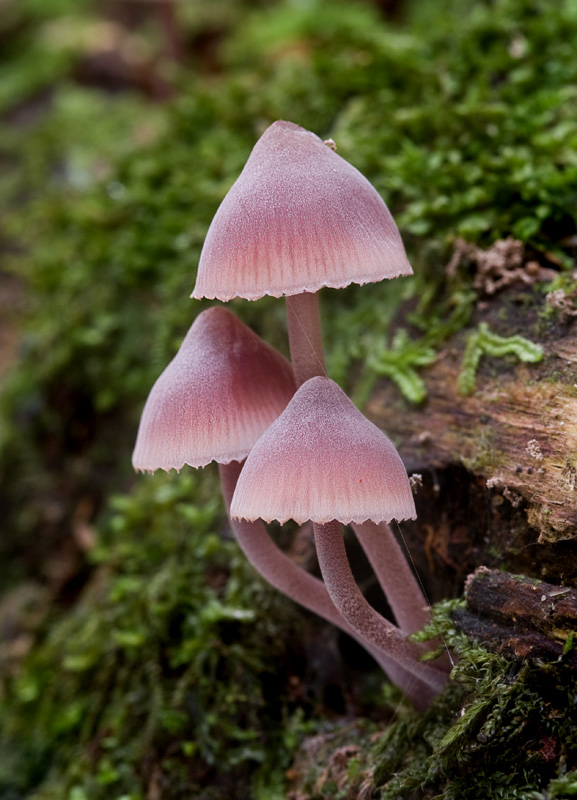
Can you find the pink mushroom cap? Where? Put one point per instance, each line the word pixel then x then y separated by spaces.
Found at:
pixel 216 397
pixel 322 459
pixel 298 218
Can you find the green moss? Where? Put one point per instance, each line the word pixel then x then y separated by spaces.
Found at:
pixel 111 264
pixel 132 243
pixel 171 656
pixel 484 342
pixel 33 55
pixel 501 730
pixel 464 118
pixel 398 363
pixel 565 786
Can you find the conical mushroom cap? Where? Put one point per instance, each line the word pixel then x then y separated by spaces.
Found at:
pixel 323 460
pixel 298 218
pixel 216 397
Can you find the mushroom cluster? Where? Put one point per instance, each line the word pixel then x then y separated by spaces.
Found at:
pixel 289 442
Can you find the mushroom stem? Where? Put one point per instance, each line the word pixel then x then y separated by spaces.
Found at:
pixel 274 565
pixel 406 599
pixel 302 587
pixel 359 614
pixel 402 590
pixel 305 336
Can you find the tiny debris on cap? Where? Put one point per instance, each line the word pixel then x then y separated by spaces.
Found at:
pixel 298 218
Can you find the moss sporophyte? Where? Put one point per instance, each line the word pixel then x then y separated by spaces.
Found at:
pixel 298 218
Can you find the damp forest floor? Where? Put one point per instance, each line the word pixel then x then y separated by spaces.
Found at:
pixel 140 656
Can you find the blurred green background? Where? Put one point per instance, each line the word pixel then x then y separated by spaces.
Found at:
pixel 139 654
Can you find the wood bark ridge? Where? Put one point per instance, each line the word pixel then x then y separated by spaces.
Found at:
pixel 517 430
pixel 519 617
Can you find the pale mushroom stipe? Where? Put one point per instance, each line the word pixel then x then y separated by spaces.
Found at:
pixel 307 590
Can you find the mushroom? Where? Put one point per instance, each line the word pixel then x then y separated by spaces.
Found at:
pixel 220 392
pixel 298 218
pixel 217 396
pixel 322 460
pixel 302 587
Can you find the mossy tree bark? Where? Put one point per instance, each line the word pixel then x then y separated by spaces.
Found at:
pixel 498 464
pixel 498 493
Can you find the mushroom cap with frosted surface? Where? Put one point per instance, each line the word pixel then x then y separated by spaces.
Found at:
pixel 322 459
pixel 298 218
pixel 217 396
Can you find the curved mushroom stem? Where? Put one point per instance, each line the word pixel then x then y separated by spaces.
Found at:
pixel 402 590
pixel 302 587
pixel 407 601
pixel 305 336
pixel 359 614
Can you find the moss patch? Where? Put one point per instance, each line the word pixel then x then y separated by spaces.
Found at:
pixel 501 729
pixel 484 342
pixel 464 118
pixel 165 673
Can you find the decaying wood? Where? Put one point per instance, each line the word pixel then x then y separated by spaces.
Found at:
pixel 517 430
pixel 519 617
